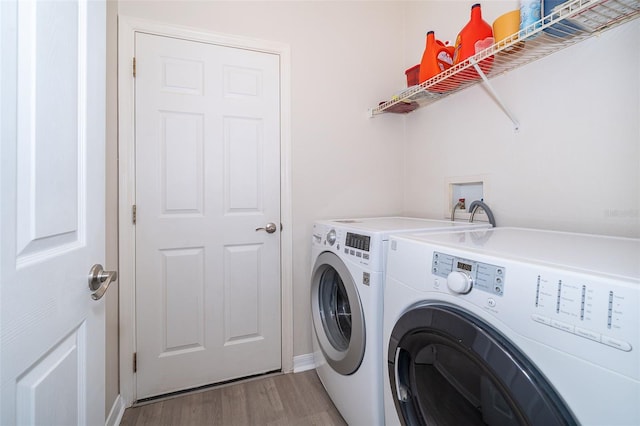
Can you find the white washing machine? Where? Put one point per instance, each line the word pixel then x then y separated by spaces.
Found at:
pixel 346 303
pixel 512 326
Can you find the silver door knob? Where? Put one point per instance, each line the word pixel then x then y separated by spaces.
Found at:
pixel 270 228
pixel 99 280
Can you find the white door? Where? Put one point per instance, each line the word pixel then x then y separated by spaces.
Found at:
pixel 207 178
pixel 52 199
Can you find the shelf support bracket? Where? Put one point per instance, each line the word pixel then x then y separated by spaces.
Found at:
pixel 497 98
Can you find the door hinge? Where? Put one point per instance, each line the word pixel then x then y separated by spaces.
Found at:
pixel 134 67
pixel 134 214
pixel 135 362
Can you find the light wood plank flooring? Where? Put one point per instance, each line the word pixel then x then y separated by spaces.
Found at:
pixel 285 399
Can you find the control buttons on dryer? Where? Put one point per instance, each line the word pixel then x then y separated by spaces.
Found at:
pixel 562 326
pixel 541 319
pixel 459 282
pixel 469 273
pixel 587 334
pixel 615 343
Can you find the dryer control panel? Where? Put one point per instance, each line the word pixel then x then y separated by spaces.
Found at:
pixel 481 276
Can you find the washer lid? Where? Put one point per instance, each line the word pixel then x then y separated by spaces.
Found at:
pixel 388 225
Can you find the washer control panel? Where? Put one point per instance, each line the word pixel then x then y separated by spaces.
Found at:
pixel 476 275
pixel 357 247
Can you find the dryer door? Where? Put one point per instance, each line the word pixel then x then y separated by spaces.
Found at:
pixel 447 367
pixel 338 317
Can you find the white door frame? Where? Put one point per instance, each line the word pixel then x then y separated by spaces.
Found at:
pixel 127 27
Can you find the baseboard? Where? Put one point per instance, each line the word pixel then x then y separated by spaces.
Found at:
pixel 116 413
pixel 303 363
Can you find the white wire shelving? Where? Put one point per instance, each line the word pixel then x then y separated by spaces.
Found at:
pixel 568 24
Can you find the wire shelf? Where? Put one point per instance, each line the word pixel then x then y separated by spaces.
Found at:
pixel 568 24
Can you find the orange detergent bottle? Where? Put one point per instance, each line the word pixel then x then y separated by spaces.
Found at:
pixel 474 37
pixel 450 48
pixel 435 59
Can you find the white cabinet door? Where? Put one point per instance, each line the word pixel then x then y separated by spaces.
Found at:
pixel 207 176
pixel 52 223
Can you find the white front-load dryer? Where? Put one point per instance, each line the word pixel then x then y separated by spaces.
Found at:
pixel 512 326
pixel 347 279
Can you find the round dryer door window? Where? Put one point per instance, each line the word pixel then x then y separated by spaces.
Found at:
pixel 337 314
pixel 447 367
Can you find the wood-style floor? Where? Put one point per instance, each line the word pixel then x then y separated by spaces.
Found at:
pixel 285 399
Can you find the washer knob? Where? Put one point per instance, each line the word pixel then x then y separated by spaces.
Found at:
pixel 459 282
pixel 331 237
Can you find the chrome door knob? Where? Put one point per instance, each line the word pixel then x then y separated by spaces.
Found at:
pixel 270 228
pixel 99 280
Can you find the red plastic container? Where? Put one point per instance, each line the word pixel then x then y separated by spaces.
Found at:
pixel 476 30
pixel 413 75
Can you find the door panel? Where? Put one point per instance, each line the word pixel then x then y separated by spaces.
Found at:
pixel 207 175
pixel 47 109
pixel 243 165
pixel 52 177
pixel 41 384
pixel 242 286
pixel 182 168
pixel 183 299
